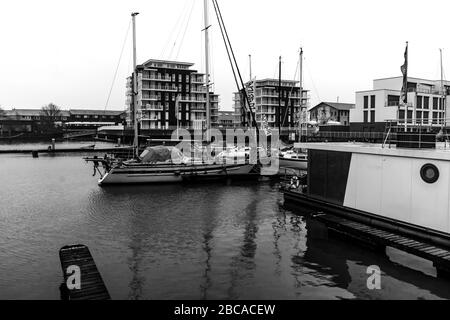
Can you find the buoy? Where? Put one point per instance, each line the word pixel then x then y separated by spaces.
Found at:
pixel 35 154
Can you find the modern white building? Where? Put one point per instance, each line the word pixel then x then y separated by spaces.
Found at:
pixel 159 84
pixel 268 95
pixel 427 103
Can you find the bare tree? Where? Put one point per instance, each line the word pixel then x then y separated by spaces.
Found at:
pixel 49 115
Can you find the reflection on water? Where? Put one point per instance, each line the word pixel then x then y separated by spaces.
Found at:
pixel 213 241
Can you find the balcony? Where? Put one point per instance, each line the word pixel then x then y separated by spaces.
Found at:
pixel 160 88
pixel 151 98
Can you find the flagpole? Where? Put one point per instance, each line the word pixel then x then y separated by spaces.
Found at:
pixel 405 85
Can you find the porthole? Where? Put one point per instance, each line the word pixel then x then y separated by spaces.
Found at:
pixel 429 173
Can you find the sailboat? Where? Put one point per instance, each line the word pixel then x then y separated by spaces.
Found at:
pixel 291 157
pixel 166 164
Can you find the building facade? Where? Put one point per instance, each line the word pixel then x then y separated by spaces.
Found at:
pixel 169 95
pixel 331 113
pixel 268 96
pixel 226 119
pixel 427 104
pixel 16 121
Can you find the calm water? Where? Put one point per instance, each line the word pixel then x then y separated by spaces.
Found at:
pixel 213 241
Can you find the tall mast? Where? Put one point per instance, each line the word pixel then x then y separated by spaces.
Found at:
pixel 279 96
pixel 250 65
pixel 443 92
pixel 301 92
pixel 208 115
pixel 135 104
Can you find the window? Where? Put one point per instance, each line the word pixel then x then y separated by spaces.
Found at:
pixel 435 117
pixel 401 114
pixel 419 102
pixel 435 103
pixel 372 101
pixel 426 102
pixel 429 173
pixel 425 116
pixel 409 114
pixel 393 100
pixel 372 116
pixel 418 115
pixel 366 102
pixel 366 114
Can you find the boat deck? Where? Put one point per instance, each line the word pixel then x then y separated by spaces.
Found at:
pixel 441 152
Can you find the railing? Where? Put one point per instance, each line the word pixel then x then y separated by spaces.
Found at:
pixel 415 133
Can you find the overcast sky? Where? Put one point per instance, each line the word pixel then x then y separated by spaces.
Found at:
pixel 67 52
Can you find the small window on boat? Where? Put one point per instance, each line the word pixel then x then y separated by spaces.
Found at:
pixel 429 173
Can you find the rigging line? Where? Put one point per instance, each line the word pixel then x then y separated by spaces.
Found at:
pixel 185 29
pixel 118 65
pixel 290 94
pixel 227 49
pixel 168 42
pixel 180 30
pixel 312 81
pixel 237 69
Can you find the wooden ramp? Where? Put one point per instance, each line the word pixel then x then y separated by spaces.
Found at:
pixel 438 255
pixel 92 286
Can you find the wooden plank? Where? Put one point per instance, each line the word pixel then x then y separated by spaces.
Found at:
pixel 362 231
pixel 91 282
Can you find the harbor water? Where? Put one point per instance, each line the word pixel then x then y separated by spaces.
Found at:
pixel 196 241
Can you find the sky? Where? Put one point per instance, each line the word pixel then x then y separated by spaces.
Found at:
pixel 67 52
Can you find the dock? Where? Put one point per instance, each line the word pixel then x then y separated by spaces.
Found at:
pixel 379 239
pixel 92 286
pixel 67 150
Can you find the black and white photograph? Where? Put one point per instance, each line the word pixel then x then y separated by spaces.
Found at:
pixel 224 156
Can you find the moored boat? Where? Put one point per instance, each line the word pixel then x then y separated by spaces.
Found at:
pixel 164 165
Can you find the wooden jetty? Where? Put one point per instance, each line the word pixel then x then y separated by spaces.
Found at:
pixel 378 239
pixel 92 286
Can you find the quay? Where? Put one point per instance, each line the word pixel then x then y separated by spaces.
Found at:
pixel 92 286
pixel 66 150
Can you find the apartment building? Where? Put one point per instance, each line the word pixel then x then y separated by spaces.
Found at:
pixel 267 96
pixel 169 95
pixel 427 104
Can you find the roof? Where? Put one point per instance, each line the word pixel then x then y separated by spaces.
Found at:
pixel 337 105
pixel 64 113
pixel 168 61
pixel 32 112
pixel 226 115
pixel 95 112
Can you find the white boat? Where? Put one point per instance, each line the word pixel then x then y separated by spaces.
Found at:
pixel 166 164
pixel 293 159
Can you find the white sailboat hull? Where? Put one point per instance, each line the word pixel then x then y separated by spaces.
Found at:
pixel 175 174
pixel 301 164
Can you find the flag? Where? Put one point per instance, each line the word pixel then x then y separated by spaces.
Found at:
pixel 404 69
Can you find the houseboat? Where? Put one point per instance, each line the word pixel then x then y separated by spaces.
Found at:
pixel 402 186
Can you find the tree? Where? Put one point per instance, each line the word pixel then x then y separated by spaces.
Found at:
pixel 49 115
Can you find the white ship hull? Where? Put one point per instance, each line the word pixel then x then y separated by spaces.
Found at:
pixel 171 174
pixel 300 164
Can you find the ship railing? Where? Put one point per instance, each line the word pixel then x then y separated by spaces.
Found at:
pixel 417 133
